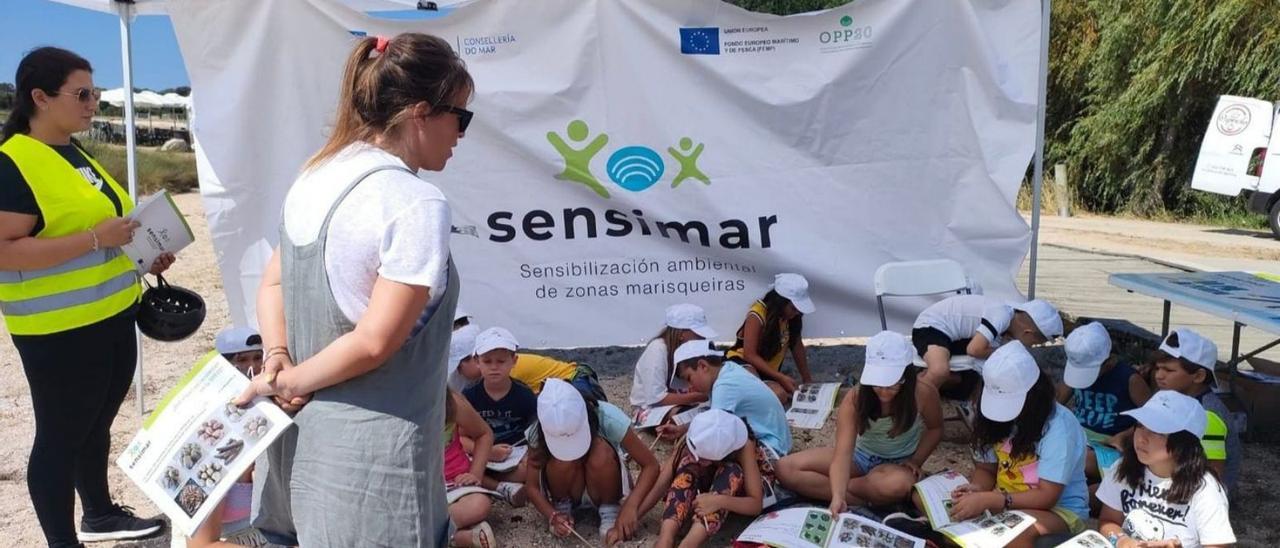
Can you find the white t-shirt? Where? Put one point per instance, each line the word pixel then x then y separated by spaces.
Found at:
pixel 962 316
pixel 651 383
pixel 393 225
pixel 1148 516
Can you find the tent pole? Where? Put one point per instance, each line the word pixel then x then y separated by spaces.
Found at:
pixel 131 161
pixel 1037 180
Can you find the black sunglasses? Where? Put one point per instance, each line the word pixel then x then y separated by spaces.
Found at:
pixel 84 95
pixel 464 116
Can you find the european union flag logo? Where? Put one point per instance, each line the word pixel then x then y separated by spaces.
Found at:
pixel 700 41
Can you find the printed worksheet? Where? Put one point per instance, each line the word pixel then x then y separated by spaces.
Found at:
pixel 811 405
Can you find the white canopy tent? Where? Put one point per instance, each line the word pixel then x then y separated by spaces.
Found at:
pixel 127 9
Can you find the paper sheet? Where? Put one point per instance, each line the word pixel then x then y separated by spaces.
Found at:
pixel 652 417
pixel 513 460
pixel 195 445
pixel 815 527
pixel 812 404
pixel 1087 539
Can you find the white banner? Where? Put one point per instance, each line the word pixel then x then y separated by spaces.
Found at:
pixel 631 154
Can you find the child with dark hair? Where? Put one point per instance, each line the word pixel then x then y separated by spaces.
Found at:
pixel 1185 363
pixel 655 382
pixel 1163 493
pixel 1100 387
pixel 720 473
pixel 575 460
pixel 1028 450
pixel 773 326
pixel 886 428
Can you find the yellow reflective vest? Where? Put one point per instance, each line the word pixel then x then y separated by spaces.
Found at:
pixel 87 289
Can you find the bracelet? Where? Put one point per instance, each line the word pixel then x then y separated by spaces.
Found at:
pixel 277 350
pixel 1008 501
pixel 94 235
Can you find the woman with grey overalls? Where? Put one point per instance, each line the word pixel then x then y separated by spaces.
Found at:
pixel 361 296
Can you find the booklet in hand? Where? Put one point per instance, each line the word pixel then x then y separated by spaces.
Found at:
pixel 162 229
pixel 197 443
pixel 990 530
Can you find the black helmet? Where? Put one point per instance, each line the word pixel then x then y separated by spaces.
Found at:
pixel 169 313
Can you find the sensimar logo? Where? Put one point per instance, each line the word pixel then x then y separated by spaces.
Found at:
pixel 632 168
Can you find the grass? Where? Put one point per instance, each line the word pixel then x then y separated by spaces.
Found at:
pixel 1224 217
pixel 172 171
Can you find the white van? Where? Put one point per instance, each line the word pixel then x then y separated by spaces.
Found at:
pixel 1235 150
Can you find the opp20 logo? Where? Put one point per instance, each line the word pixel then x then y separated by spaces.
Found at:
pixel 634 168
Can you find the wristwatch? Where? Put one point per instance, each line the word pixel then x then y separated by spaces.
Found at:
pixel 1008 501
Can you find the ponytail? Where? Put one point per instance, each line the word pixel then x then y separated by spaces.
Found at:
pixel 384 78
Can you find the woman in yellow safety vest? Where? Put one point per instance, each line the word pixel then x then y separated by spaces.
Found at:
pixel 68 295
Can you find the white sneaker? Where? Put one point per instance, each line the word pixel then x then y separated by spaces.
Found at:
pixel 513 493
pixel 608 517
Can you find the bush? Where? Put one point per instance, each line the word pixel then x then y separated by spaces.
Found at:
pixel 172 171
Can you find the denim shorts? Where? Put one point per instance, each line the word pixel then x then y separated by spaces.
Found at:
pixel 866 461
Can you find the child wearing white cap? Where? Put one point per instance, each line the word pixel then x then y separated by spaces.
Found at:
pixel 732 388
pixel 886 428
pixel 655 383
pixel 721 477
pixel 1185 363
pixel 1028 450
pixel 975 325
pixel 574 458
pixel 774 325
pixel 467 511
pixel 1100 387
pixel 1162 492
pixel 532 370
pixel 506 405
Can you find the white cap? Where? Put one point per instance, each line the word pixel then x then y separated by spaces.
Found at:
pixel 1007 376
pixel 715 433
pixel 563 415
pixel 1045 316
pixel 695 349
pixel 1087 348
pixel 462 344
pixel 888 355
pixel 460 313
pixel 234 340
pixel 1168 412
pixel 493 339
pixel 795 289
pixel 1194 348
pixel 691 317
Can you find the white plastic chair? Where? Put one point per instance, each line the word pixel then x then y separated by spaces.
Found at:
pixel 922 279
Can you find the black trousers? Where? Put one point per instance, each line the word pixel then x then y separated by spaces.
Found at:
pixel 78 380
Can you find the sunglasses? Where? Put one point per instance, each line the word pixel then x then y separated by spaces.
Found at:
pixel 84 95
pixel 464 116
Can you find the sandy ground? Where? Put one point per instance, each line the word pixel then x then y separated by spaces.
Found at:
pixel 1257 501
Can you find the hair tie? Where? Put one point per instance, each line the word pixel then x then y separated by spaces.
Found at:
pixel 381 45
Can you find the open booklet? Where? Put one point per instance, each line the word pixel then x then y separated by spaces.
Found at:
pixel 653 416
pixel 163 229
pixel 810 527
pixel 1087 539
pixel 512 461
pixel 990 530
pixel 196 443
pixel 811 404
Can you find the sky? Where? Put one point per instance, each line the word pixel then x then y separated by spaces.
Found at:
pixel 28 24
pixel 157 63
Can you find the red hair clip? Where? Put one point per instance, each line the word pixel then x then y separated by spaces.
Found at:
pixel 381 45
